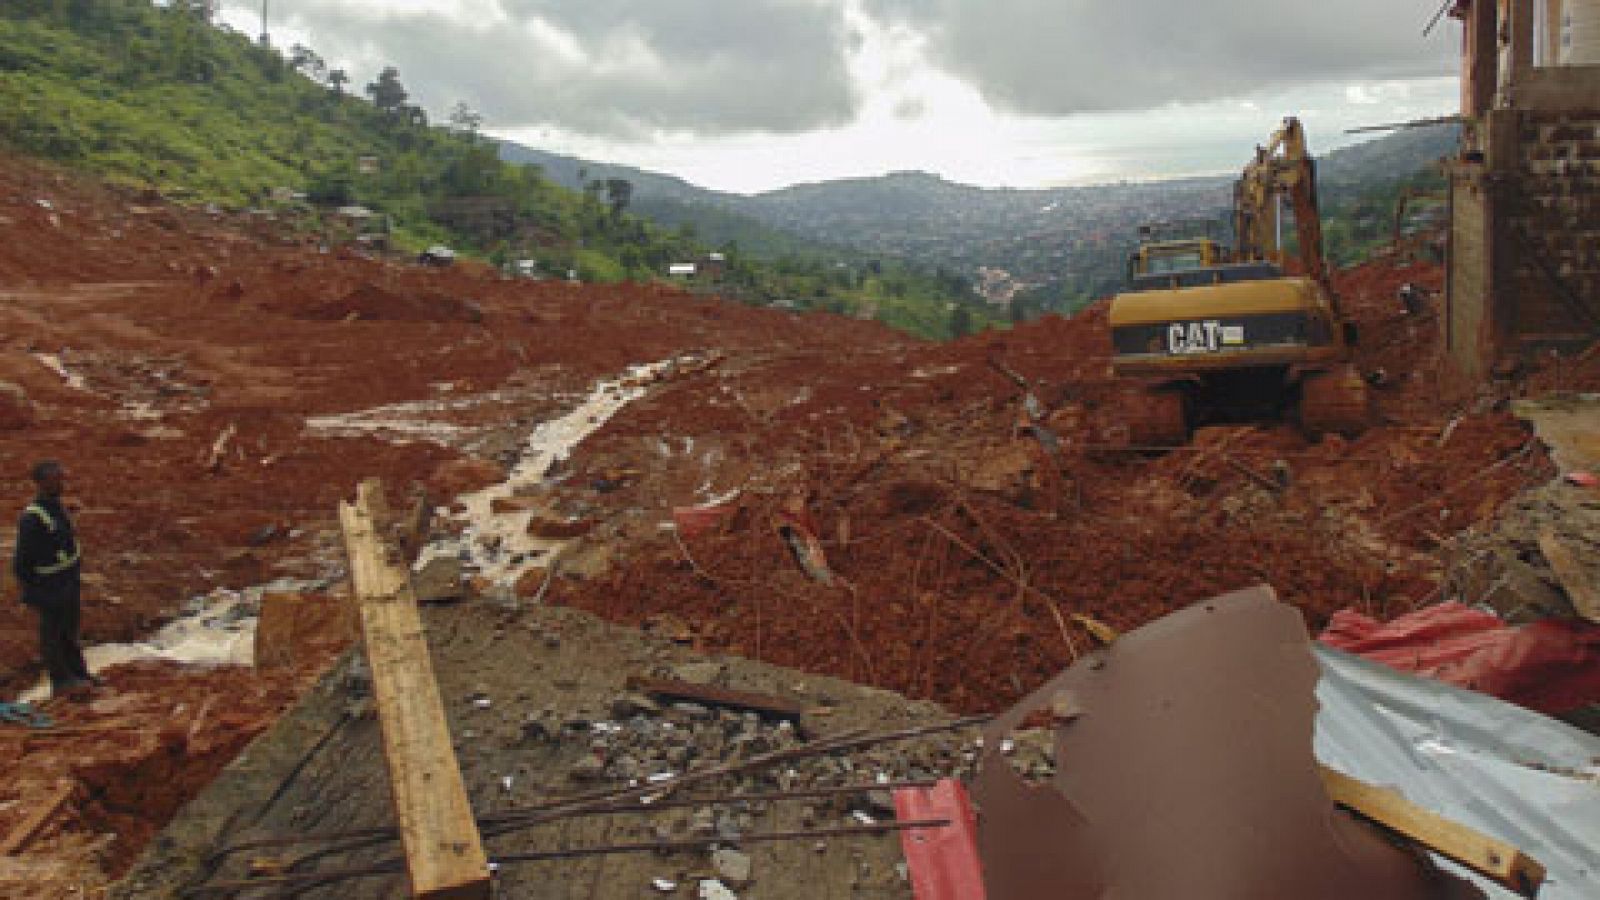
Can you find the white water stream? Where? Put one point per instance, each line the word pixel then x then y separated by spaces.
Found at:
pixel 221 631
pixel 496 545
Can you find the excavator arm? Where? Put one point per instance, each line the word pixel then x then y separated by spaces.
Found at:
pixel 1281 169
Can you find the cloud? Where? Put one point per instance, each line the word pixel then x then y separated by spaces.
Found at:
pixel 621 68
pixel 1059 57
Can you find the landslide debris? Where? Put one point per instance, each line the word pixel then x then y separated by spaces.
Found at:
pixel 845 500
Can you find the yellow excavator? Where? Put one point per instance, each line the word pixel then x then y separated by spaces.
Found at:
pixel 1220 336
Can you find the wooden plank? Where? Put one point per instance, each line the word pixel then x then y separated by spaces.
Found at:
pixel 1493 859
pixel 444 851
pixel 1580 589
pixel 25 832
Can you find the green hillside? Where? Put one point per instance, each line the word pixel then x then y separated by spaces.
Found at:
pixel 154 96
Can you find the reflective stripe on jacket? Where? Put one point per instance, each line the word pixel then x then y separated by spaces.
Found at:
pixel 64 561
pixel 43 514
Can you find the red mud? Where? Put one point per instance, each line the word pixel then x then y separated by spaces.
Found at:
pixel 961 548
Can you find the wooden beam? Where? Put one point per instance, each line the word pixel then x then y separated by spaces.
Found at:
pixel 1491 858
pixel 1580 588
pixel 1552 33
pixel 1482 74
pixel 1521 26
pixel 444 852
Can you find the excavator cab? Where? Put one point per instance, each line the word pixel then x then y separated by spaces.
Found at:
pixel 1164 257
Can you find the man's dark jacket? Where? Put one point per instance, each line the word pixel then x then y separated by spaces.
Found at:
pixel 46 562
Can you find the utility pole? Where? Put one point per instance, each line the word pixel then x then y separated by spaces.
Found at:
pixel 266 39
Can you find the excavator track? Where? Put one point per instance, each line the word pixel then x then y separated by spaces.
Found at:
pixel 1335 401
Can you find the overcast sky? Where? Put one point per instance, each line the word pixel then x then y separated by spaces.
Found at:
pixel 750 95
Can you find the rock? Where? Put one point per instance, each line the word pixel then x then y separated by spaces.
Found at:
pixel 265 534
pixel 711 889
pixel 692 712
pixel 629 705
pixel 1282 473
pixel 358 679
pixel 626 767
pixel 239 612
pixel 501 506
pixel 531 582
pixel 697 672
pixel 550 528
pixel 881 803
pixel 732 866
pixel 439 581
pixel 535 730
pixel 588 768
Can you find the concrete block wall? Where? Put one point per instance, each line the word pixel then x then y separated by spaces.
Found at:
pixel 1550 229
pixel 1524 261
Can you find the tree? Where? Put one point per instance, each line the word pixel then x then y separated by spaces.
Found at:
pixel 619 191
pixel 387 93
pixel 307 62
pixel 465 119
pixel 188 45
pixel 337 79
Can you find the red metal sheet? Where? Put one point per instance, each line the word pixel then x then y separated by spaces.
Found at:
pixel 1552 666
pixel 943 862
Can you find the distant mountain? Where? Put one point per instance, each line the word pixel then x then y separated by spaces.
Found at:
pixel 1069 241
pixel 1394 157
pixel 715 216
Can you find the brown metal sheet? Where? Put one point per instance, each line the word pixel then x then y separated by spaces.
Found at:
pixel 1187 771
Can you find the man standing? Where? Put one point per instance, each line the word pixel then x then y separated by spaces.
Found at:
pixel 46 563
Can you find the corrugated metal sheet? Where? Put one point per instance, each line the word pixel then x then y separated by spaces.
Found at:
pixel 942 862
pixel 1509 772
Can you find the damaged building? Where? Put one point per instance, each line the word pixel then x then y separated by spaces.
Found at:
pixel 1524 248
